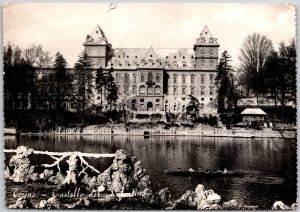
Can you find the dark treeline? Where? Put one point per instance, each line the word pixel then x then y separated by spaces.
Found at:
pixel 34 82
pixel 264 73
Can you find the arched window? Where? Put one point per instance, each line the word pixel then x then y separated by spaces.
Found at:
pixel 211 62
pixel 183 90
pixel 150 77
pixel 202 90
pixel 193 79
pixel 142 89
pixel 211 90
pixel 175 78
pixel 211 78
pixel 118 77
pixel 157 89
pixel 193 90
pixel 175 91
pixel 134 89
pixel 183 78
pixel 150 90
pixel 202 79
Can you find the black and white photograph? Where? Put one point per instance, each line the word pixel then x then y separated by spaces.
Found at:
pixel 150 106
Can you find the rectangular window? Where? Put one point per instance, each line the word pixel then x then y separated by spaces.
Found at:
pixel 141 100
pixel 202 51
pixel 211 51
pixel 202 99
pixel 183 79
pixel 211 99
pixel 134 78
pixel 157 100
pixel 183 91
pixel 142 78
pixel 157 78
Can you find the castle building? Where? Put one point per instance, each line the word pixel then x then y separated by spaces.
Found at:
pixel 151 79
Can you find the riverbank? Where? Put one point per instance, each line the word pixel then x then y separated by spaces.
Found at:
pixel 125 184
pixel 201 131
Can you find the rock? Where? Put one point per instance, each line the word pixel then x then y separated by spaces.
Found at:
pixel 186 201
pixel 21 164
pixel 213 198
pixel 116 183
pixel 42 204
pixel 74 169
pixel 164 196
pixel 22 203
pixel 232 204
pixel 7 173
pixel 279 205
pixel 144 182
pixel 57 179
pixel 121 155
pixel 82 203
pixel 101 189
pixel 148 196
pixel 214 207
pixel 53 203
pixel 111 198
pixel 294 206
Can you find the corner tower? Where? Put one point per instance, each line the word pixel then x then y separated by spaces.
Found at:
pixel 206 51
pixel 98 48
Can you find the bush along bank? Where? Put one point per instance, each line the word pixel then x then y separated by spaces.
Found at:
pixel 125 184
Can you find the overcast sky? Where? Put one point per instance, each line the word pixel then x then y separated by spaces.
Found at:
pixel 63 26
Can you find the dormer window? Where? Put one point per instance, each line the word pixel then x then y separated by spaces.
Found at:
pixel 174 57
pixel 127 56
pixel 167 57
pixel 202 40
pixel 211 40
pixel 150 55
pixel 183 57
pixel 135 56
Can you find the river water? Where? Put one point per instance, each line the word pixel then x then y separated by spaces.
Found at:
pixel 269 164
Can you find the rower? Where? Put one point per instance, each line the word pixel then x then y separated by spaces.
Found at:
pixel 191 170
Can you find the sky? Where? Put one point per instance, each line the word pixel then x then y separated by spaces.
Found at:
pixel 63 26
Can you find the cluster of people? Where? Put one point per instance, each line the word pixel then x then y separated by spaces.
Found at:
pixel 207 171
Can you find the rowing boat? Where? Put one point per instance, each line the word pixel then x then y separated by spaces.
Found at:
pixel 205 174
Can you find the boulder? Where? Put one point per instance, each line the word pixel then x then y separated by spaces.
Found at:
pixel 232 204
pixel 164 196
pixel 57 179
pixel 22 203
pixel 21 164
pixel 279 205
pixel 53 203
pixel 74 170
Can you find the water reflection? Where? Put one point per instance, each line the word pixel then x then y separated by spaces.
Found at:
pixel 268 163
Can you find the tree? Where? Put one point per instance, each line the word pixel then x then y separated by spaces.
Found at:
pixel 101 81
pixel 62 81
pixel 36 56
pixel 193 108
pixel 225 81
pixel 84 81
pixel 287 55
pixel 253 55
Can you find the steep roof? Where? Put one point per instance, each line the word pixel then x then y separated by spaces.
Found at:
pixel 150 57
pixel 206 38
pixel 97 37
pixel 253 111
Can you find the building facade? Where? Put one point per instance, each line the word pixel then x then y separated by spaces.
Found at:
pixel 150 79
